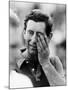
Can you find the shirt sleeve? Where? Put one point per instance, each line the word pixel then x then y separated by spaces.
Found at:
pixel 55 78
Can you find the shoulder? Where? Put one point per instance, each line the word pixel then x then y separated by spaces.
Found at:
pixel 21 57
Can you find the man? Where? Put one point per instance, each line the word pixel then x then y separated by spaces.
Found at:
pixel 35 61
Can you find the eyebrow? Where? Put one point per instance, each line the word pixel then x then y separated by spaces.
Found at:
pixel 37 32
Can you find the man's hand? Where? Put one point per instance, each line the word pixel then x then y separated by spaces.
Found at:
pixel 43 49
pixel 52 67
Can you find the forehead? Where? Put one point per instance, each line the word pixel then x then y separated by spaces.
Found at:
pixel 36 26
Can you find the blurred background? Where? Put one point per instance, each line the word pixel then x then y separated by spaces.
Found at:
pixel 17 12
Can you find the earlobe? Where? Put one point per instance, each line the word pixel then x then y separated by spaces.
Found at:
pixel 50 36
pixel 24 32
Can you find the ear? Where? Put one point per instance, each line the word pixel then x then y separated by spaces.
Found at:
pixel 50 36
pixel 24 32
pixel 24 35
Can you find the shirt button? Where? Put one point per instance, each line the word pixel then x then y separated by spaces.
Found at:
pixel 33 69
pixel 27 62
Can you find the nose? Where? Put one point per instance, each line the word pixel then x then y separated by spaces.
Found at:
pixel 34 39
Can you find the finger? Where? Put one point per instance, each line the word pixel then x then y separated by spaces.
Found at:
pixel 39 48
pixel 41 38
pixel 46 40
pixel 40 44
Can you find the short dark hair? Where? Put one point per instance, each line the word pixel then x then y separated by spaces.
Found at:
pixel 38 16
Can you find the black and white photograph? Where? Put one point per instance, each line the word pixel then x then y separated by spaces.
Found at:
pixel 37 44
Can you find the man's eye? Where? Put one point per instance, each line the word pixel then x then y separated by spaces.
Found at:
pixel 39 33
pixel 31 32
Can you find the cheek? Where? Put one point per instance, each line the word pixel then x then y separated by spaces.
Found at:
pixel 27 38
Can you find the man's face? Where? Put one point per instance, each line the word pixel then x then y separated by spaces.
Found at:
pixel 31 34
